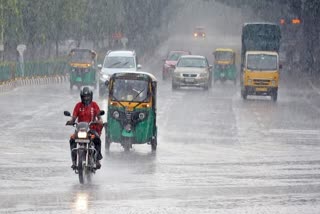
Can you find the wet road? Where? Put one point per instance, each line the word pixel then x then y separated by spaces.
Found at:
pixel 216 154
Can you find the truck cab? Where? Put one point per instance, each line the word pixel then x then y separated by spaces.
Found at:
pixel 261 74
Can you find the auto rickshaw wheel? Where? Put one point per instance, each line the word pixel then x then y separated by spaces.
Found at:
pixel 154 144
pixel 107 145
pixel 174 86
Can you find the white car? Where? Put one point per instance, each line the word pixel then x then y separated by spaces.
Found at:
pixel 115 61
pixel 192 70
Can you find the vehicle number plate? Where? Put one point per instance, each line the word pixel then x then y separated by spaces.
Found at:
pixel 190 80
pixel 261 89
pixel 82 140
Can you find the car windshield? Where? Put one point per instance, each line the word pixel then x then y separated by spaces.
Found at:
pixel 130 90
pixel 192 62
pixel 119 62
pixel 174 56
pixel 223 56
pixel 81 56
pixel 262 62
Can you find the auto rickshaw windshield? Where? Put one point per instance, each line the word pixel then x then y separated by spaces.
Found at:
pixel 223 56
pixel 130 90
pixel 81 56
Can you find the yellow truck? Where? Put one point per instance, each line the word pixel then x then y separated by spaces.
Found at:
pixel 259 72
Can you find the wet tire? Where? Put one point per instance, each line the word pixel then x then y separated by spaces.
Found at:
pixel 274 96
pixel 107 145
pixel 244 94
pixel 80 167
pixel 154 144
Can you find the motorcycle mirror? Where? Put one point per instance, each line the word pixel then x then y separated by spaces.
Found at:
pixel 66 113
pixel 101 112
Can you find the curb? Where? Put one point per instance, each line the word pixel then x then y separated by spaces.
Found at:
pixel 10 85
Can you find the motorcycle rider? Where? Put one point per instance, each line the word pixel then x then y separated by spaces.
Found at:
pixel 87 111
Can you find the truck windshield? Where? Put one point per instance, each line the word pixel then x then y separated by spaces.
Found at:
pixel 262 62
pixel 130 90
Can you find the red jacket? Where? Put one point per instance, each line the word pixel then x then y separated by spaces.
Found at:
pixel 88 114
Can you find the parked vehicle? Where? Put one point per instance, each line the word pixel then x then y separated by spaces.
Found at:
pixel 224 65
pixel 82 68
pixel 260 60
pixel 115 61
pixel 170 62
pixel 85 150
pixel 192 70
pixel 131 110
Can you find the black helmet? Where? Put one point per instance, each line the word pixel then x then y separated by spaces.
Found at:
pixel 86 96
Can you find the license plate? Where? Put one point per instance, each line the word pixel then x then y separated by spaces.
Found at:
pixel 82 141
pixel 190 80
pixel 261 89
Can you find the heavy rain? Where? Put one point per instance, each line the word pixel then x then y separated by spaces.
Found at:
pixel 210 106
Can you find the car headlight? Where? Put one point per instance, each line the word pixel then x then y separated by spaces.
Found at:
pixel 176 74
pixel 203 74
pixel 116 114
pixel 82 134
pixel 142 115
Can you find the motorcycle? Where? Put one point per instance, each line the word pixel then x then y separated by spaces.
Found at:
pixel 85 150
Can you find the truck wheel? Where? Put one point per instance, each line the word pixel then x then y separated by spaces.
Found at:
pixel 244 94
pixel 274 96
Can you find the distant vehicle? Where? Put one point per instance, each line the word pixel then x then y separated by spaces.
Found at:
pixel 224 65
pixel 171 61
pixel 192 70
pixel 115 61
pixel 259 74
pixel 83 69
pixel 199 32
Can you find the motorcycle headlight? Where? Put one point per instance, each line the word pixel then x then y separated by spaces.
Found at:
pixel 82 134
pixel 142 115
pixel 116 114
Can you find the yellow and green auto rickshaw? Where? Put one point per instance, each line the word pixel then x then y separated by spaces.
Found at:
pixel 131 117
pixel 224 65
pixel 82 67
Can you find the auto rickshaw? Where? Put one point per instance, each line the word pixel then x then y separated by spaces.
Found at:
pixel 82 67
pixel 224 65
pixel 131 117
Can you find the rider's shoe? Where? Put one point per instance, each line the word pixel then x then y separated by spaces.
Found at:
pixel 73 166
pixel 98 165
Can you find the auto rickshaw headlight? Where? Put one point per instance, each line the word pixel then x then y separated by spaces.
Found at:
pixel 273 82
pixel 116 114
pixel 127 127
pixel 249 81
pixel 142 115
